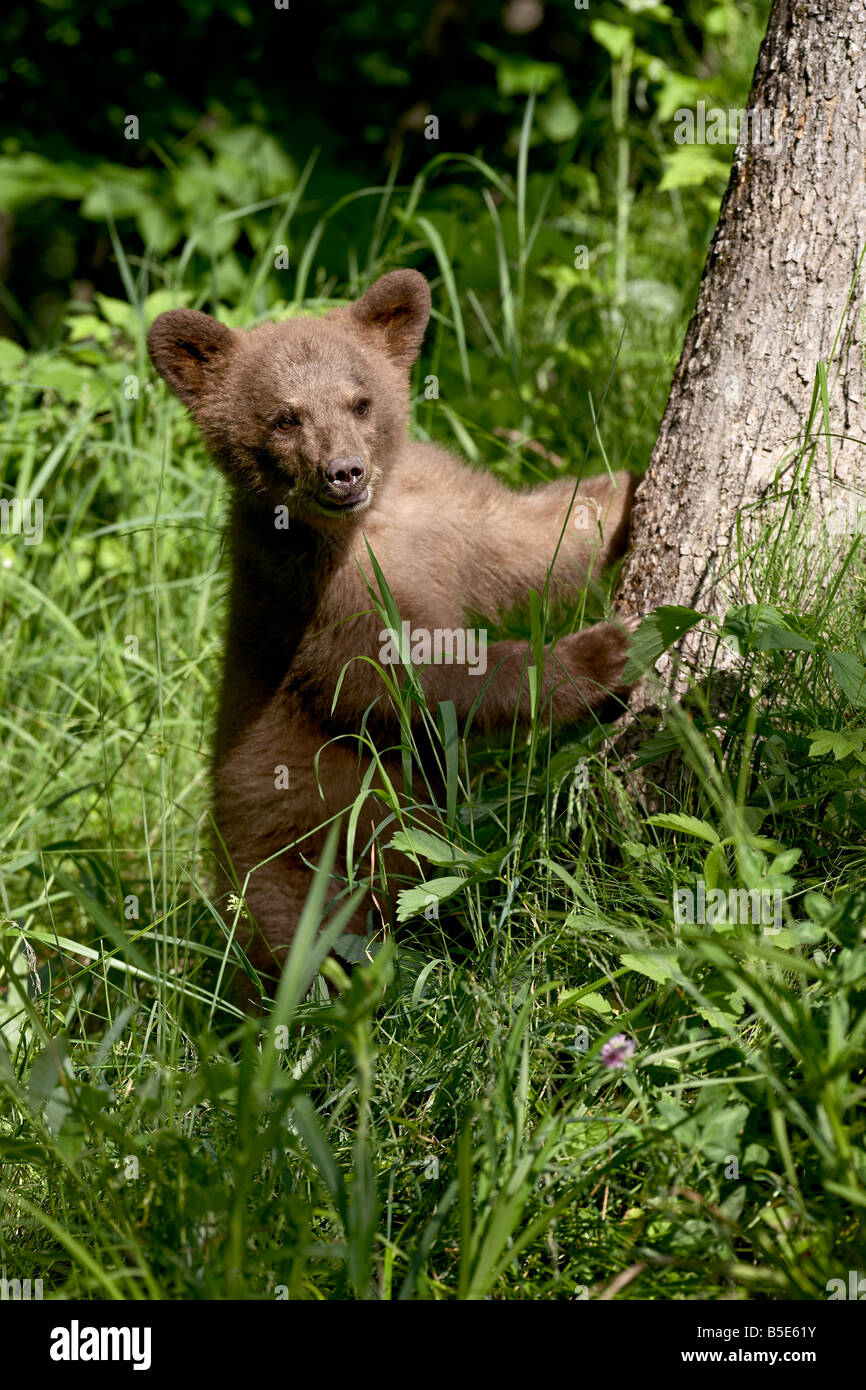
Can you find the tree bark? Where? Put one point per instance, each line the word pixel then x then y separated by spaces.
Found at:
pixel 774 293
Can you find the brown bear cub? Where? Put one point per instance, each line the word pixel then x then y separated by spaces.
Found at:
pixel 308 419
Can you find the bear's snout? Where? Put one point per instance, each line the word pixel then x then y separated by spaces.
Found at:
pixel 346 478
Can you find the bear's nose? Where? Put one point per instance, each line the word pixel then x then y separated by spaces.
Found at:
pixel 345 475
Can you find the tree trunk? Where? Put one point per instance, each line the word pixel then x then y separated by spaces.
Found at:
pixel 773 297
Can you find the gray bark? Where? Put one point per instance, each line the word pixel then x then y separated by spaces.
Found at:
pixel 774 294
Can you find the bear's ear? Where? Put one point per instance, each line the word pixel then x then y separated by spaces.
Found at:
pixel 189 350
pixel 397 308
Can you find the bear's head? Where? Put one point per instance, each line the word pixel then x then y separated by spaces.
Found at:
pixel 308 412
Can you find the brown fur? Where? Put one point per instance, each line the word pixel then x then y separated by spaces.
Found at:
pixel 276 406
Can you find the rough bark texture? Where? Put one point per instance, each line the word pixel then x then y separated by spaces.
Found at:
pixel 773 296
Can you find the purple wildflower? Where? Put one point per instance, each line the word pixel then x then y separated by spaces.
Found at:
pixel 617 1051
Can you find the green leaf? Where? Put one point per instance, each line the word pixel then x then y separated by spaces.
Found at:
pixel 356 950
pixel 517 75
pixel 413 902
pixel 658 631
pixel 656 965
pixel 689 825
pixel 689 166
pixel 82 326
pixel 819 908
pixel 651 10
pixel 161 300
pixel 432 847
pixel 840 742
pixel 11 354
pixel 159 230
pixel 754 817
pixel 596 1002
pixel 850 676
pixel 785 861
pixel 47 1071
pixel 118 313
pixel 616 38
pixel 559 118
pixel 719 1137
pixel 761 628
pixel 63 376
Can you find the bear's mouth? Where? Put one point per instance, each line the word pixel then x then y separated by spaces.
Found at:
pixel 334 506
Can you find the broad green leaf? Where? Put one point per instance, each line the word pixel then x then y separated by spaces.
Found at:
pixel 517 75
pixel 850 676
pixel 414 902
pixel 689 166
pixel 11 354
pixel 656 965
pixel 838 742
pixel 616 38
pixel 688 825
pixel 596 1002
pixel 559 118
pixel 658 631
pixel 432 847
pixel 719 1137
pixel 60 375
pixel 759 627
pixel 118 313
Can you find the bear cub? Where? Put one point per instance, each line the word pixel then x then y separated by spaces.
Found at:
pixel 308 420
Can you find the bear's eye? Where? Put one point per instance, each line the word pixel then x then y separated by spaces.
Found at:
pixel 362 408
pixel 286 422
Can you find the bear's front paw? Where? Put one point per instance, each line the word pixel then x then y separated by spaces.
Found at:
pixel 595 660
